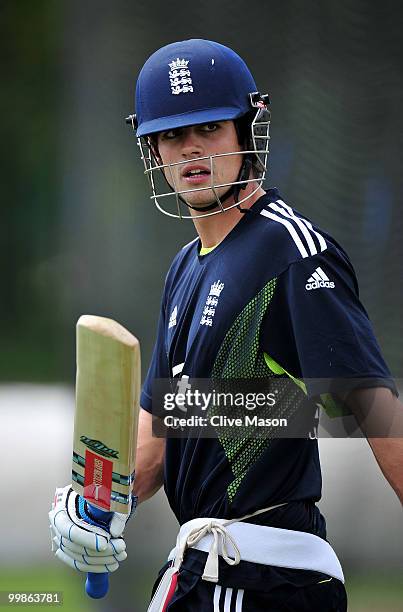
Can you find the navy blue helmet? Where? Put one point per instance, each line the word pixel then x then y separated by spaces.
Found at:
pixel 191 82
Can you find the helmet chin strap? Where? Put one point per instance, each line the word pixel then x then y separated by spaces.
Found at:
pixel 234 190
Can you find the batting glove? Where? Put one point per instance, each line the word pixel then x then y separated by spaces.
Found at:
pixel 81 542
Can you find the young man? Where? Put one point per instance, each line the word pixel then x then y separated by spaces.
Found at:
pixel 263 295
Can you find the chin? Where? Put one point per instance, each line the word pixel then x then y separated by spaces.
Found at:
pixel 204 198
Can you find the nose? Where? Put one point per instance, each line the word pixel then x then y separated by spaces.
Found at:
pixel 192 145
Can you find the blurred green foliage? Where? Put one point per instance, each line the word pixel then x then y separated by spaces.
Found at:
pixel 78 232
pixel 31 38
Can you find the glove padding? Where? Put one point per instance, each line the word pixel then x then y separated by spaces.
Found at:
pixel 78 543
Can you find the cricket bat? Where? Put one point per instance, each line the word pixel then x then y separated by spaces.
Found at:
pixel 105 423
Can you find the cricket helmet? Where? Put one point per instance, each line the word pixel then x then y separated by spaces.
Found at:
pixel 197 82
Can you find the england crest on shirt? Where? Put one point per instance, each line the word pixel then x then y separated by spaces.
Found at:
pixel 211 303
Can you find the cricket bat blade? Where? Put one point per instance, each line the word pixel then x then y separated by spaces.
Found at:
pixel 105 424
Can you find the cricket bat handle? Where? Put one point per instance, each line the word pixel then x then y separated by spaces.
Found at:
pixel 97 585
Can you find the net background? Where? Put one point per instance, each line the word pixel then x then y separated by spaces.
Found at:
pixel 78 233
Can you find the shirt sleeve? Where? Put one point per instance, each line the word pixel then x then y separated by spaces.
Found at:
pixel 317 327
pixel 159 367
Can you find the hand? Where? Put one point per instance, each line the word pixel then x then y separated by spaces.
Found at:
pixel 80 541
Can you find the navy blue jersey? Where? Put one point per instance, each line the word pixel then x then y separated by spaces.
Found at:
pixel 277 297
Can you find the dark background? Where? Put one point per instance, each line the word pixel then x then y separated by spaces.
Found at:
pixel 78 233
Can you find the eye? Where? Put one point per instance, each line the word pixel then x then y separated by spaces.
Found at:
pixel 210 127
pixel 170 134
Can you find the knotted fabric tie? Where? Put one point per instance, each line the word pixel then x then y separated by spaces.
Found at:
pixel 219 532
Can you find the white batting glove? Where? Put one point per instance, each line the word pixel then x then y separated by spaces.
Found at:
pixel 78 543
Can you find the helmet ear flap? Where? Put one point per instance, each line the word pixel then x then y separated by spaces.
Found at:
pixel 243 130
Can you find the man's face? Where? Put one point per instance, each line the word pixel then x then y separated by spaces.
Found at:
pixel 189 143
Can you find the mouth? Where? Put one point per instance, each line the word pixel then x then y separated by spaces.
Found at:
pixel 195 174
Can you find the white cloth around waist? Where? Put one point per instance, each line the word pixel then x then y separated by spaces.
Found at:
pixel 235 541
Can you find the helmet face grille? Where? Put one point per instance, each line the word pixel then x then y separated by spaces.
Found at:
pixel 172 201
pixel 260 129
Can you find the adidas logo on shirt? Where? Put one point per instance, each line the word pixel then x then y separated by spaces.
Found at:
pixel 319 279
pixel 172 318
